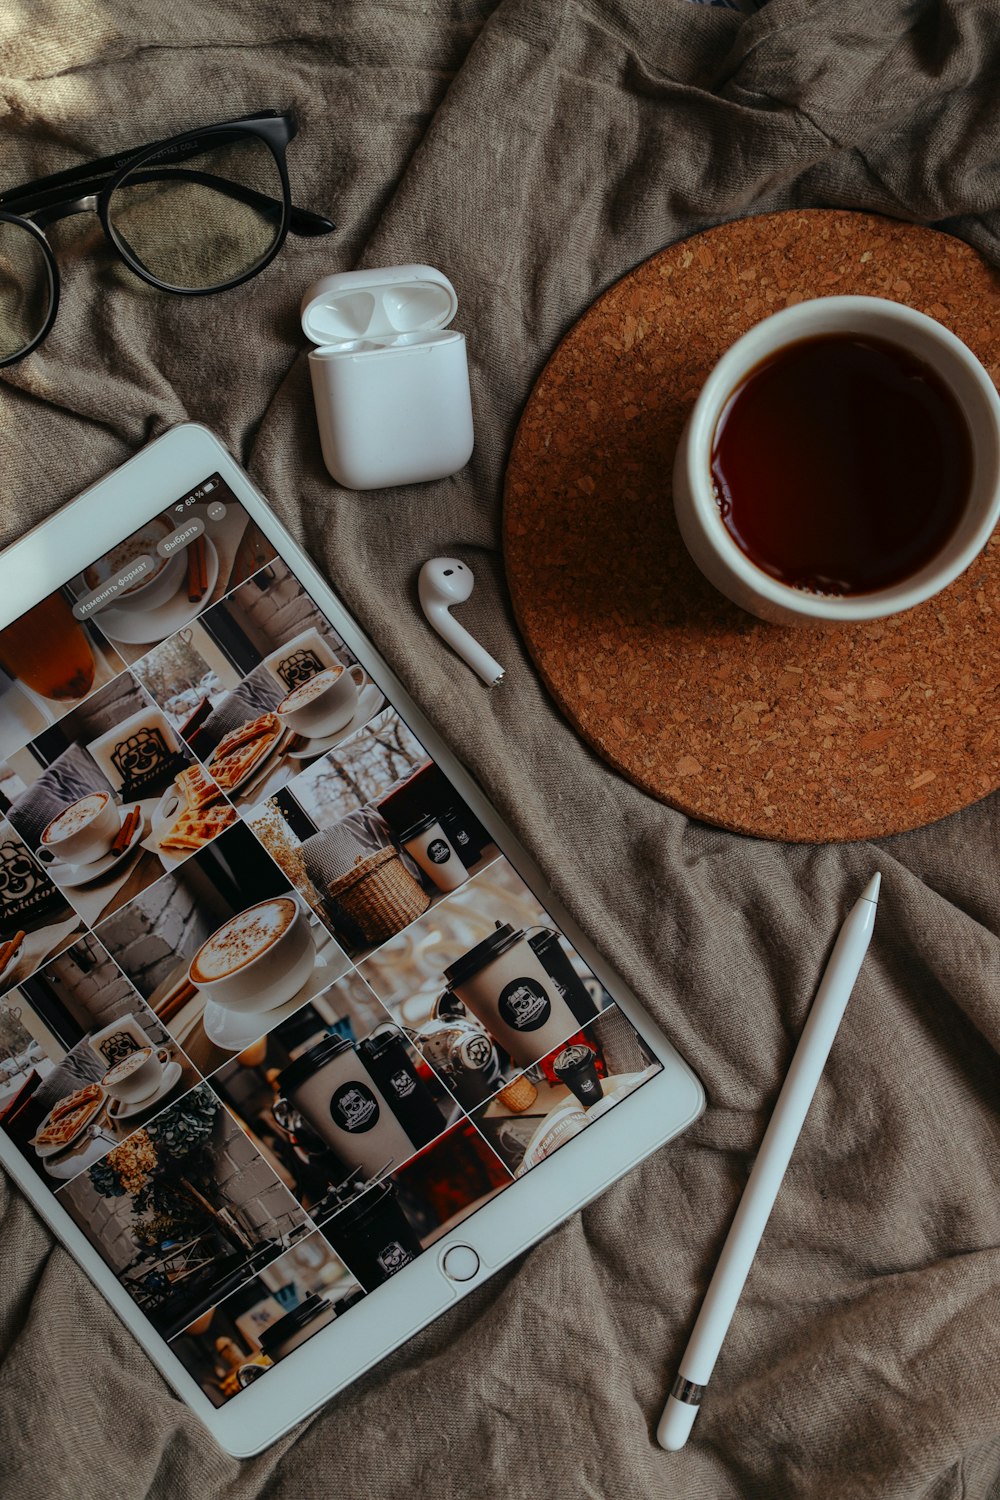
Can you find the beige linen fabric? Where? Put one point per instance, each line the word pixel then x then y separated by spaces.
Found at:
pixel 535 150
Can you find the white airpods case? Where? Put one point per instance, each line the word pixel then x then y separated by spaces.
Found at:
pixel 390 378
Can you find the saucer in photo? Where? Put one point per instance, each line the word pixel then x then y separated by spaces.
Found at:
pixel 119 1110
pixel 143 627
pixel 233 1030
pixel 370 702
pixel 73 876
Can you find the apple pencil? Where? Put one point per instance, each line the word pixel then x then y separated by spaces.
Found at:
pixel 762 1187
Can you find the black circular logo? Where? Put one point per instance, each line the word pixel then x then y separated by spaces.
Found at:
pixel 354 1108
pixel 524 1005
pixel 439 851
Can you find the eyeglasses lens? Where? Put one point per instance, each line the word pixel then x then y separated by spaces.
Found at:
pixel 204 219
pixel 25 292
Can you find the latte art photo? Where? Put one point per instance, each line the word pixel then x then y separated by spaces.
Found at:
pixel 243 939
pixel 75 817
pixel 309 690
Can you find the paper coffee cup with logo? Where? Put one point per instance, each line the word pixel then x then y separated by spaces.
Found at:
pixel 299 659
pixel 336 1095
pixel 576 1067
pixel 503 984
pixel 426 841
pixel 140 756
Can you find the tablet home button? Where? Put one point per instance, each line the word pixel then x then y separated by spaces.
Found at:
pixel 460 1263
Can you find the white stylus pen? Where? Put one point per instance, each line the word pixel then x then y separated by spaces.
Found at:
pixel 762 1187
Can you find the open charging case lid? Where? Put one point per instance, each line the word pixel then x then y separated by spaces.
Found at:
pixel 358 312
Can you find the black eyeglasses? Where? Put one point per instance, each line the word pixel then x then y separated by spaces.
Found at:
pixel 197 213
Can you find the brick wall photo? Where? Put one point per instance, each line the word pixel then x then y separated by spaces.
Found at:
pixel 238 1182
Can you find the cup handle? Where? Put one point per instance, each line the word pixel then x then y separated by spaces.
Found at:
pixel 359 682
pixel 45 856
pixel 448 1007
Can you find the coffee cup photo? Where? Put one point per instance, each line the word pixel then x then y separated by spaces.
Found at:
pixel 561 1094
pixel 804 503
pixel 258 958
pixel 324 703
pixel 135 1077
pixel 228 945
pixel 353 1092
pixel 484 983
pixel 83 832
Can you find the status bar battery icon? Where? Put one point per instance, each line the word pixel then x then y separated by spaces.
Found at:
pixel 209 486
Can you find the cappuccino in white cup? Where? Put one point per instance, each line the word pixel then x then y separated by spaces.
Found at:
pixel 84 831
pixel 136 1077
pixel 325 703
pixel 258 958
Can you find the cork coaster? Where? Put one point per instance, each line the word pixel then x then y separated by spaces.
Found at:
pixel 807 733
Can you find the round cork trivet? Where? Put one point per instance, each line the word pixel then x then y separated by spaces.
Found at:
pixel 805 733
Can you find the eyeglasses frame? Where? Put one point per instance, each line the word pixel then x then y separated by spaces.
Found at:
pixel 49 199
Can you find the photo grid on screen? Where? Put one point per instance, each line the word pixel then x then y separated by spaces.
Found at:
pixel 276 1013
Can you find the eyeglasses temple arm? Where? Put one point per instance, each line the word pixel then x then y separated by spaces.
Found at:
pixel 50 205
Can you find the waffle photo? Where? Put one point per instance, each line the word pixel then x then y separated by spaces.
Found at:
pixel 93 1062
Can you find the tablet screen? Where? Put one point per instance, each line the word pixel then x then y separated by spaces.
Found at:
pixel 275 1012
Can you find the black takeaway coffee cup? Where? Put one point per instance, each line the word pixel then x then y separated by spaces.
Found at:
pixel 388 1061
pixel 576 1067
pixel 373 1236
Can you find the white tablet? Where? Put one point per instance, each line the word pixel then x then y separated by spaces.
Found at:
pixel 296 1047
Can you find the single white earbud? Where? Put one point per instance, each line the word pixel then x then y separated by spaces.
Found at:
pixel 445 581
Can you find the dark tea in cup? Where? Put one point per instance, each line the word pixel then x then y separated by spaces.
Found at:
pixel 842 464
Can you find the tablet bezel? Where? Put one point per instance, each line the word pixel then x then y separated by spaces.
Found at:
pixel 159 475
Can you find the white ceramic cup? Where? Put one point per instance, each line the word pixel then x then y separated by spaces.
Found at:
pixel 116 1040
pixel 299 659
pixel 82 832
pixel 325 703
pixel 715 551
pixel 257 959
pixel 135 1077
pixel 158 586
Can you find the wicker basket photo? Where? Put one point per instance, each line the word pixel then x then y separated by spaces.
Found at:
pixel 380 894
